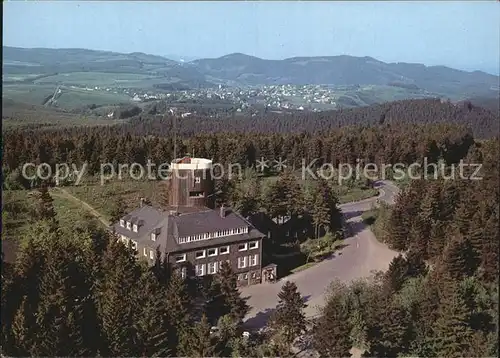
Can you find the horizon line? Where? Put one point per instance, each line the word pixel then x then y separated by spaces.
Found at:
pixel 196 58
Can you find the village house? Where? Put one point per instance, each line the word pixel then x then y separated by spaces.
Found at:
pixel 193 235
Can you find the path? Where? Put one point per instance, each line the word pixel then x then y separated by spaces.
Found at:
pixel 61 192
pixel 362 255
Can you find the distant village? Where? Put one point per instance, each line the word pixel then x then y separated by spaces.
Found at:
pixel 297 97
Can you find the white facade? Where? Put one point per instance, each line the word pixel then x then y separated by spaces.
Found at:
pixel 196 163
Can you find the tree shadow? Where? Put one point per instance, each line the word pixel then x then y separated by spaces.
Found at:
pixel 356 227
pixel 261 319
pixel 352 214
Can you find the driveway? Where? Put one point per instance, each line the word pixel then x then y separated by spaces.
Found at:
pixel 362 255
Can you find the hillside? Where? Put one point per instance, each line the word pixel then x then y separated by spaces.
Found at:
pixel 346 70
pixel 81 67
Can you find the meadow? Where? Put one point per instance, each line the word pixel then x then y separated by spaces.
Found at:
pixel 93 79
pixel 17 115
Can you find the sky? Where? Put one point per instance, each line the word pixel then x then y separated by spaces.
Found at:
pixel 464 35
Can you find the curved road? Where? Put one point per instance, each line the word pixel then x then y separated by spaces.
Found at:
pixel 362 255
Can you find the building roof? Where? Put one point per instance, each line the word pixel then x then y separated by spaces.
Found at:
pixel 169 227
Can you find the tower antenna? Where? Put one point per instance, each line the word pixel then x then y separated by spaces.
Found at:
pixel 175 137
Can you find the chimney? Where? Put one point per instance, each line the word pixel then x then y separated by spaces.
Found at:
pixel 222 211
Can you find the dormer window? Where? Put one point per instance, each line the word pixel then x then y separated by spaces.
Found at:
pixel 153 236
pixel 129 225
pixel 135 227
pixel 122 223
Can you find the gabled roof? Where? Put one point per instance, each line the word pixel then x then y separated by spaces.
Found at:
pixel 169 227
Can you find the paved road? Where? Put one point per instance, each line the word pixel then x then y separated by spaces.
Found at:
pixel 362 255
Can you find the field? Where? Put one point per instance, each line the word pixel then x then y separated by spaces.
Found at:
pixel 16 115
pixel 70 98
pixel 92 79
pixel 74 98
pixel 102 197
pixel 27 93
pixel 18 207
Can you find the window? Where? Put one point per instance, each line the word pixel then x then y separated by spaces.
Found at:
pixel 180 258
pixel 245 276
pixel 253 260
pixel 122 222
pixel 212 268
pixel 212 252
pixel 196 194
pixel 151 254
pixel 135 227
pixel 134 245
pixel 182 240
pixel 197 180
pixel 183 272
pixel 145 252
pixel 153 236
pixel 242 262
pixel 200 254
pixel 254 275
pixel 253 245
pixel 200 270
pixel 128 225
pixel 224 250
pixel 243 247
pixel 222 262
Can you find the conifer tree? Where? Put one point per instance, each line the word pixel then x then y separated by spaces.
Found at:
pixel 449 200
pixel 396 274
pixel 458 258
pixel 288 320
pixel 453 335
pixel 151 317
pixel 437 240
pixel 117 303
pixel 464 214
pixel 416 264
pixel 490 249
pixel 320 211
pixel 397 231
pixel 248 194
pixel 180 306
pixel 228 298
pixel 45 208
pixel 331 332
pixel 117 210
pixel 22 331
pixel 390 335
pixel 199 342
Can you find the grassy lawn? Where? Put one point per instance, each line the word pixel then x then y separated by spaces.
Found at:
pixel 347 195
pixel 130 191
pixel 303 267
pixel 18 207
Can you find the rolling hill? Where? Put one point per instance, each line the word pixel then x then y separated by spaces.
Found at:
pixel 29 65
pixel 347 70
